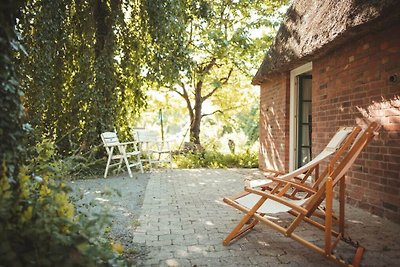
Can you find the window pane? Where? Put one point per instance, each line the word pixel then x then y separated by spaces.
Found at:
pixel 305 156
pixel 306 92
pixel 305 140
pixel 306 112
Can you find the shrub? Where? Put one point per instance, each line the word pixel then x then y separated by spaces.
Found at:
pixel 38 226
pixel 214 159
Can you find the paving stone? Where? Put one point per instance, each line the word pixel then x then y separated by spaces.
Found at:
pixel 184 221
pixel 235 261
pixel 206 262
pixel 175 262
pixel 155 243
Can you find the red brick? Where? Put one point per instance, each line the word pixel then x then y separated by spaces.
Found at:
pixel 350 86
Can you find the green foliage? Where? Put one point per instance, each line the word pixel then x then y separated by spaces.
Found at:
pixel 38 226
pixel 37 222
pixel 10 93
pixel 248 122
pixel 86 66
pixel 88 63
pixel 75 166
pixel 213 159
pixel 220 52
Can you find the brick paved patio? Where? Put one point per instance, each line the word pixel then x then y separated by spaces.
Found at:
pixel 183 222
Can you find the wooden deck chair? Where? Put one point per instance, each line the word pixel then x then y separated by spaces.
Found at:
pixel 304 173
pixel 156 150
pixel 119 151
pixel 257 203
pixel 335 149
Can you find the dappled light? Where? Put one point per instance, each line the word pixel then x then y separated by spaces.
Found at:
pixel 271 149
pixel 102 200
pixel 263 243
pixel 386 112
pixel 165 86
pixel 355 222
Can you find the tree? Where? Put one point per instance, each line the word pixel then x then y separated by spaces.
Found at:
pixel 83 73
pixel 11 110
pixel 218 46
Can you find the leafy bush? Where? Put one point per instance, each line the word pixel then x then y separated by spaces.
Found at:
pixel 79 163
pixel 38 225
pixel 214 159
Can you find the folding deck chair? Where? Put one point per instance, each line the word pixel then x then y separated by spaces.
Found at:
pixel 304 173
pixel 303 205
pixel 119 151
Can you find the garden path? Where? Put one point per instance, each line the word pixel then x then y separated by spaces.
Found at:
pixel 183 220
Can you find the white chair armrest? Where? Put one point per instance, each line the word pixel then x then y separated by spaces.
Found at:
pixel 112 145
pixel 128 143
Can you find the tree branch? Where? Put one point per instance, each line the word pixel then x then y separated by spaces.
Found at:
pixel 179 93
pixel 223 81
pixel 208 67
pixel 212 113
pixel 209 94
pixel 226 79
pixel 185 96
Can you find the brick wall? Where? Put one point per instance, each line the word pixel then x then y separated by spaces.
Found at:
pixel 352 86
pixel 274 123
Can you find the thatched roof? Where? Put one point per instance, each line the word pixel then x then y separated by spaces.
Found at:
pixel 313 28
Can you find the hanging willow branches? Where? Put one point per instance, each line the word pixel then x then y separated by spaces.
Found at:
pixel 88 62
pixel 10 105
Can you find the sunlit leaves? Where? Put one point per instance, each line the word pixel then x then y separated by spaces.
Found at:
pixel 221 44
pixel 82 72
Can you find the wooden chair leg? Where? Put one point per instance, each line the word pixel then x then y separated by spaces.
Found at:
pixel 328 218
pixel 358 256
pixel 238 230
pixel 342 204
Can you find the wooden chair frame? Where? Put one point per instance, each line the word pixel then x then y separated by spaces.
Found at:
pixel 322 190
pixel 334 148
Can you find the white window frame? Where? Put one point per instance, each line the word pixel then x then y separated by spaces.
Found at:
pixel 293 111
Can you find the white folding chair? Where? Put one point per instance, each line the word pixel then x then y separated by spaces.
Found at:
pixel 156 150
pixel 119 151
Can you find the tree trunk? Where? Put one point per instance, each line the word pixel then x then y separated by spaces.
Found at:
pixel 195 127
pixel 196 119
pixel 195 113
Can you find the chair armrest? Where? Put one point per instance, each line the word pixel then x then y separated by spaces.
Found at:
pixel 128 143
pixel 297 185
pixel 273 171
pixel 111 145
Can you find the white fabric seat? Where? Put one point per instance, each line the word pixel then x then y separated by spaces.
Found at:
pixel 333 145
pixel 269 206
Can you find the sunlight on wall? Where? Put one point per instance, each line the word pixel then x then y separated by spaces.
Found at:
pixel 386 112
pixel 272 158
